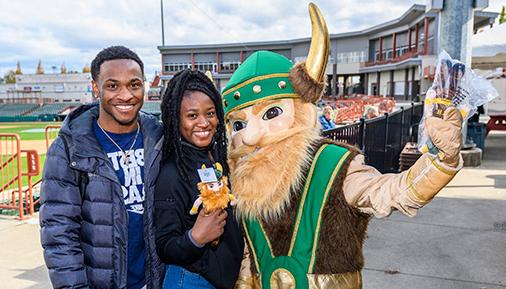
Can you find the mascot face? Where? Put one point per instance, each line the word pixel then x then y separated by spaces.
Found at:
pixel 267 149
pixel 253 125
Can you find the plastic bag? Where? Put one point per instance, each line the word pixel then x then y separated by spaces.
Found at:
pixel 456 85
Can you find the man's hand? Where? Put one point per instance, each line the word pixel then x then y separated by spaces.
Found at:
pixel 210 227
pixel 446 135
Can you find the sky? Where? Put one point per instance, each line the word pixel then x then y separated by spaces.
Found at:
pixel 73 32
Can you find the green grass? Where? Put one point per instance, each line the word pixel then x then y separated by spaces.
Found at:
pixel 7 175
pixel 21 128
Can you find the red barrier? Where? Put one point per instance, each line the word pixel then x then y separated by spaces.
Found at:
pixel 51 134
pixel 33 169
pixel 11 194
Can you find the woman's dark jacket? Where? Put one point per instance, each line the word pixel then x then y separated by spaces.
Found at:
pixel 174 197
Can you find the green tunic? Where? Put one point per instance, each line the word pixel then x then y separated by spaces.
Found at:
pixel 300 259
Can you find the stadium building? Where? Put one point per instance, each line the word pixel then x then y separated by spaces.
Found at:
pixel 41 96
pixel 43 88
pixel 396 58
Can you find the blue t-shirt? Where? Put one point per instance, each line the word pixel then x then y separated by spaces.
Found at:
pixel 131 178
pixel 326 124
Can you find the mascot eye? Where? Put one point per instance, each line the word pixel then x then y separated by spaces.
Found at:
pixel 272 113
pixel 238 125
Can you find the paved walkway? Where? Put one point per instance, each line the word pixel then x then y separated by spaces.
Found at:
pixel 457 241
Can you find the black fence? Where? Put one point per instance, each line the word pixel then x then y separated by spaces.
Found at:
pixel 382 138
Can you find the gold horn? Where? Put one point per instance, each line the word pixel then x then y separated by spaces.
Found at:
pixel 318 55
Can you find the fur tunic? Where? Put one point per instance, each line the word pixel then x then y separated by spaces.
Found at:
pixel 342 232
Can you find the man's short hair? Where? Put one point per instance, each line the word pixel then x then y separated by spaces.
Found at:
pixel 111 53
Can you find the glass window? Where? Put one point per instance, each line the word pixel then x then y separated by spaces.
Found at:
pixel 399 88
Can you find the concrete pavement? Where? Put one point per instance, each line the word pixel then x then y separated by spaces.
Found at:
pixel 21 261
pixel 456 241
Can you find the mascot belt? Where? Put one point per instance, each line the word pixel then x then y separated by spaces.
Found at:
pixel 280 272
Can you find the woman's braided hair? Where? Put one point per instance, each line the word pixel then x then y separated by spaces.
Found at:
pixel 181 84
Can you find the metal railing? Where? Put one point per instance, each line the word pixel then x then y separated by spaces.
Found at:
pixel 382 139
pixel 12 194
pixel 51 133
pixel 400 58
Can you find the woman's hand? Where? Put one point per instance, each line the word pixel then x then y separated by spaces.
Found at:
pixel 210 227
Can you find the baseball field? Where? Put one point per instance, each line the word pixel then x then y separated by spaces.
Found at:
pixel 33 137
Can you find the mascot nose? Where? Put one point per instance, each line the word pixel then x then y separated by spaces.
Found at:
pixel 252 134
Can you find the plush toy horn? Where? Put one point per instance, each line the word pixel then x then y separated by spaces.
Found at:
pixel 308 78
pixel 219 167
pixel 209 75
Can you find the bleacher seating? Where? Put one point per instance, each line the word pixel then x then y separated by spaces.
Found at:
pixel 152 107
pixel 52 109
pixel 16 109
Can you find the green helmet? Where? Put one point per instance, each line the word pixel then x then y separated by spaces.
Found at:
pixel 263 76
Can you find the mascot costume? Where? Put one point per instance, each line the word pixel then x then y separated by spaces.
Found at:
pixel 305 201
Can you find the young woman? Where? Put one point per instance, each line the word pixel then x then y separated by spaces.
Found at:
pixel 194 135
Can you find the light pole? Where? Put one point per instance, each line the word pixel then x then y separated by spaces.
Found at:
pixel 163 32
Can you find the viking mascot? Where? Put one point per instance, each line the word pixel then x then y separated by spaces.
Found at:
pixel 305 201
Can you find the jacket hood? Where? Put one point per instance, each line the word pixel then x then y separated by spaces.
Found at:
pixel 78 127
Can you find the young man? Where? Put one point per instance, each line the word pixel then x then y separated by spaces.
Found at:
pixel 97 191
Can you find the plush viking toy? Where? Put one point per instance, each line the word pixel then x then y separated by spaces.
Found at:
pixel 215 194
pixel 305 201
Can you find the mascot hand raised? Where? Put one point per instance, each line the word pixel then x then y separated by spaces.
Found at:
pixel 446 134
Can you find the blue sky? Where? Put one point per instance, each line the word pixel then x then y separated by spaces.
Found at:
pixel 72 32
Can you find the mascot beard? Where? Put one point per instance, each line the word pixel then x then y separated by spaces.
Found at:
pixel 277 161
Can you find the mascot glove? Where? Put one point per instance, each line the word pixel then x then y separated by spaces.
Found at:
pixel 446 135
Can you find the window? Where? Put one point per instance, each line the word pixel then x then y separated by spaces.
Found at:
pixel 229 66
pixel 175 67
pixel 399 88
pixel 205 66
pixel 351 57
